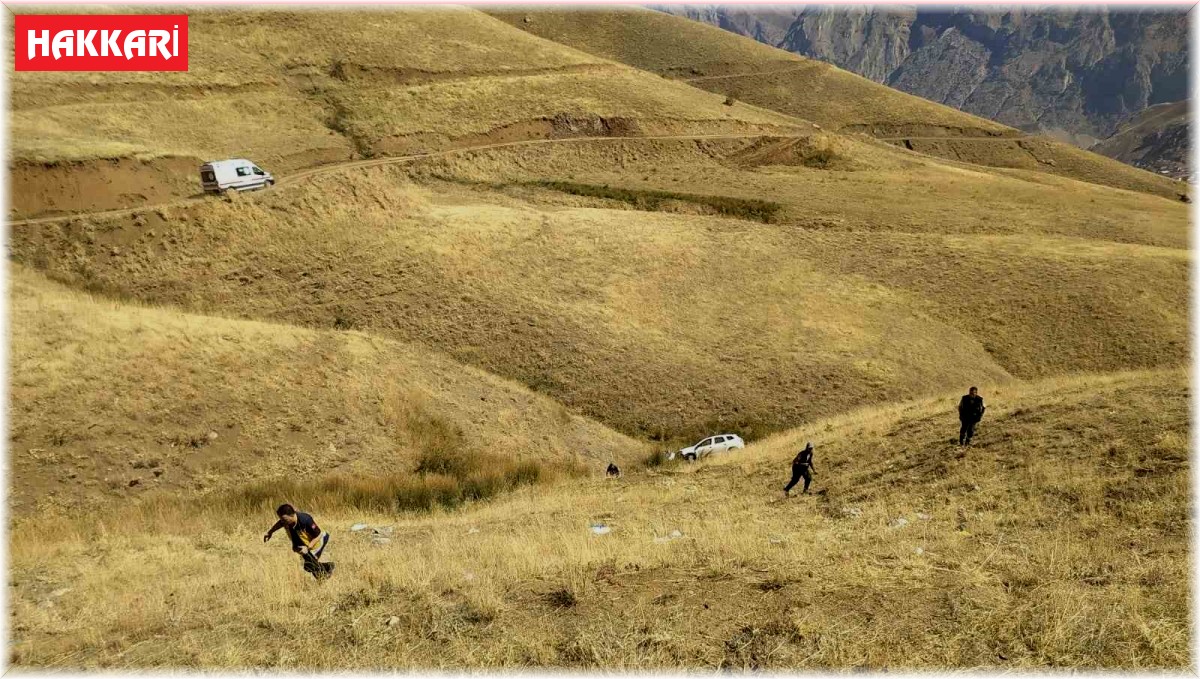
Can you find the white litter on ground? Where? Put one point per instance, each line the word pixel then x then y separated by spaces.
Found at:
pixel 673 535
pixel 358 526
pixel 601 529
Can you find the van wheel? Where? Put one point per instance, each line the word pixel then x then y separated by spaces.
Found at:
pixel 690 457
pixel 270 183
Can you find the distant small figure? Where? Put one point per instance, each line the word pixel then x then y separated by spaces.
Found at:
pixel 308 540
pixel 802 468
pixel 970 412
pixel 613 470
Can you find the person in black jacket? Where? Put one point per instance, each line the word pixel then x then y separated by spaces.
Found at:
pixel 308 540
pixel 802 466
pixel 970 412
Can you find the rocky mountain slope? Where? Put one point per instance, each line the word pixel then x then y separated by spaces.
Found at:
pixel 1077 75
pixel 1155 139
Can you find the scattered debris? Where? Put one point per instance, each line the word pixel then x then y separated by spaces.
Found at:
pixel 393 621
pixel 382 530
pixel 898 523
pixel 380 541
pixel 358 526
pixel 601 529
pixel 59 592
pixel 924 517
pixel 919 551
pixel 212 436
pixel 776 539
pixel 472 530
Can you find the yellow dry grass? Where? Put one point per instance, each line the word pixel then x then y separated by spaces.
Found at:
pixel 296 88
pixel 662 325
pixel 107 394
pixel 867 187
pixel 1058 540
pixel 340 334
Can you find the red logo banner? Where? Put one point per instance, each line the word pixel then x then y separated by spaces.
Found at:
pixel 101 42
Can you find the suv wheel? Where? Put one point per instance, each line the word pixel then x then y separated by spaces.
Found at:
pixel 690 457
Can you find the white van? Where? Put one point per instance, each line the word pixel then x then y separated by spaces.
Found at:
pixel 237 174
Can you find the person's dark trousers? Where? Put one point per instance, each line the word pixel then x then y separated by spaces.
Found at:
pixel 799 471
pixel 966 431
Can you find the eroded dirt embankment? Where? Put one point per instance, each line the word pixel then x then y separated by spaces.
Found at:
pixel 43 189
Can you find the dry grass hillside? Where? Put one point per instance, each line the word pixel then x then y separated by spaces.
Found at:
pixel 511 284
pixel 1058 540
pixel 747 71
pixel 668 322
pixel 113 401
pixel 292 89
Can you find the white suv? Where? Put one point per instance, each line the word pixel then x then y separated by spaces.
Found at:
pixel 712 444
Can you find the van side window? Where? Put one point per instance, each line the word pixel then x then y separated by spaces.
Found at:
pixel 243 172
pixel 258 171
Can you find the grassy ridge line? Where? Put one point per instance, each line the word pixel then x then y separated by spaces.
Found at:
pixel 117 402
pixel 1059 540
pixel 816 91
pixel 376 162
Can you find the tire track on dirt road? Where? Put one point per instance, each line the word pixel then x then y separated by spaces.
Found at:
pixel 310 173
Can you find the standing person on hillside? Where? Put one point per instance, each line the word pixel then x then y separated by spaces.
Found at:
pixel 970 412
pixel 802 468
pixel 308 540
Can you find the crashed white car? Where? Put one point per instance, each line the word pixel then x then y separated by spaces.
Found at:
pixel 710 445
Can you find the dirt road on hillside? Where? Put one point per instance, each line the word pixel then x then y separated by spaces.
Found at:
pixel 304 175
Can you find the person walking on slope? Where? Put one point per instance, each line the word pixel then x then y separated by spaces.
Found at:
pixel 802 466
pixel 308 540
pixel 970 412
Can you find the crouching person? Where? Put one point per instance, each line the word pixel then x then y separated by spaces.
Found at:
pixel 308 540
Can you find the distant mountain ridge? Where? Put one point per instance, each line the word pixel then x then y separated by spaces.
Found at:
pixel 1076 75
